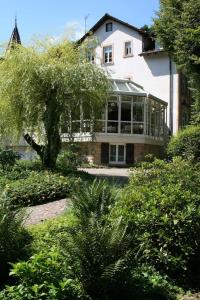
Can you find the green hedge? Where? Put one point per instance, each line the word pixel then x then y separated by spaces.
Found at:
pixel 162 203
pixel 84 256
pixel 186 143
pixel 39 188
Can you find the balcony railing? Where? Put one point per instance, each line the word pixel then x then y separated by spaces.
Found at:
pixel 116 127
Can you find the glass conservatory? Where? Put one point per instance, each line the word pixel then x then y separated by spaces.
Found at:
pixel 133 124
pixel 133 111
pixel 130 111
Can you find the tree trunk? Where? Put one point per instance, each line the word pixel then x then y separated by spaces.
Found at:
pixel 38 148
pixel 48 153
pixel 51 126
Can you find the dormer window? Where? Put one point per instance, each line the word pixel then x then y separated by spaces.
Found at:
pixel 109 26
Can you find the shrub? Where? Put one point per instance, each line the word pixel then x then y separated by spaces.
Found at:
pixel 8 159
pixel 162 202
pixel 39 188
pixel 70 158
pixel 186 143
pixel 14 239
pixel 85 256
pixel 102 254
pixel 29 165
pixel 43 276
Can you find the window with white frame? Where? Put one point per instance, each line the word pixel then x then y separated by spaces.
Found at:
pixel 107 55
pixel 128 49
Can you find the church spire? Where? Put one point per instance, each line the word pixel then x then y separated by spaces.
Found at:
pixel 15 37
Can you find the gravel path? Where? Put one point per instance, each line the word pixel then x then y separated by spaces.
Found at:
pixel 40 213
pixel 117 175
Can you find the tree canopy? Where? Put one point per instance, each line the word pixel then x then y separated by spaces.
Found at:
pixel 41 89
pixel 178 30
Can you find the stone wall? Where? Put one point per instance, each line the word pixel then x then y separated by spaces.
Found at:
pixel 89 151
pixel 141 150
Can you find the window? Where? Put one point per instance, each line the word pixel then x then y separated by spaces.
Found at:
pixel 107 55
pixel 90 56
pixel 117 154
pixel 128 49
pixel 109 27
pixel 148 44
pixel 113 115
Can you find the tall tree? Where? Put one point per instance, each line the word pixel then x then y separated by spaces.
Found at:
pixel 178 30
pixel 41 90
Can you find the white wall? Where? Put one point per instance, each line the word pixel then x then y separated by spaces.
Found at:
pixel 152 72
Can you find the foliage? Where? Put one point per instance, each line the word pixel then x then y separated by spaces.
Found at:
pixel 69 159
pixel 48 234
pixel 29 184
pixel 42 88
pixel 83 255
pixel 147 29
pixel 29 165
pixel 14 239
pixel 98 253
pixel 152 285
pixel 39 188
pixel 8 159
pixel 178 30
pixel 104 255
pixel 186 143
pixel 162 202
pixel 41 278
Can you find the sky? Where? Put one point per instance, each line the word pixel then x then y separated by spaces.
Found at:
pixel 66 18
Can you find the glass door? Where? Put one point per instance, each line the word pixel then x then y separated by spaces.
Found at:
pixel 117 154
pixel 113 153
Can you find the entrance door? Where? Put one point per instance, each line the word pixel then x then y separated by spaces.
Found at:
pixel 117 154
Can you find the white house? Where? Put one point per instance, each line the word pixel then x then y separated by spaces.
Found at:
pixel 149 100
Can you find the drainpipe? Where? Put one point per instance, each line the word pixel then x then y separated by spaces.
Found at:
pixel 171 97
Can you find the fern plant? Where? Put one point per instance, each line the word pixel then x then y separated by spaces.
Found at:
pixel 100 253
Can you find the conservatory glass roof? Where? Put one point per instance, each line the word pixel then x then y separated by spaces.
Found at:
pixel 124 86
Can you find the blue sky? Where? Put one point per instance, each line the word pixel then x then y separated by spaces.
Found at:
pixel 58 17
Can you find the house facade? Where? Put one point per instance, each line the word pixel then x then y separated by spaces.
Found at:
pixel 149 99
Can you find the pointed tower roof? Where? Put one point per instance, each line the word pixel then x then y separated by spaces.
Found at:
pixel 15 37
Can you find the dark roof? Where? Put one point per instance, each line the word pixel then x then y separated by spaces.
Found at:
pixel 150 52
pixel 15 37
pixel 105 18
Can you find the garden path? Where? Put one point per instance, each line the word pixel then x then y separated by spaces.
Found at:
pixel 39 213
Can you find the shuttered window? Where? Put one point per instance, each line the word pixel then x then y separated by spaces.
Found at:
pixel 129 153
pixel 104 153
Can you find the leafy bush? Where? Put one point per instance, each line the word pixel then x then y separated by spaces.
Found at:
pixel 39 188
pixel 85 256
pixel 186 143
pixel 70 158
pixel 8 159
pixel 104 255
pixel 29 165
pixel 162 202
pixel 43 276
pixel 14 239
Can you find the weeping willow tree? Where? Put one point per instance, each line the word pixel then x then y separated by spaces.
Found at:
pixel 41 90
